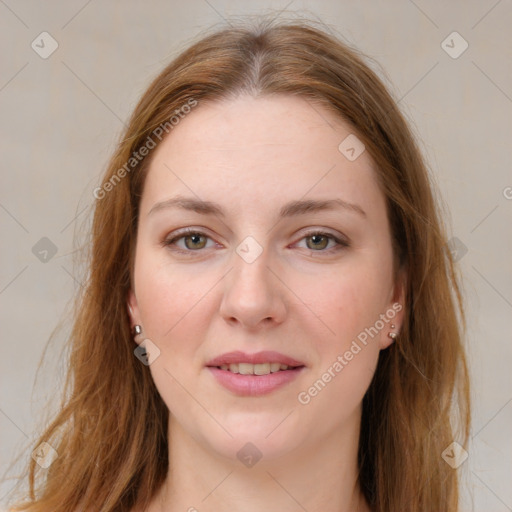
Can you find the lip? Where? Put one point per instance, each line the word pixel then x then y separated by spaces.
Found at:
pixel 266 356
pixel 254 385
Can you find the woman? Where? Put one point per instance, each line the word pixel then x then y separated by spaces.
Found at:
pixel 271 317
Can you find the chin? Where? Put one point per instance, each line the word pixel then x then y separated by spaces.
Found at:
pixel 256 440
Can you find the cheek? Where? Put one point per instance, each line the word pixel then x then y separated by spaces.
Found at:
pixel 173 307
pixel 351 300
pixel 346 360
pixel 350 305
pixel 169 298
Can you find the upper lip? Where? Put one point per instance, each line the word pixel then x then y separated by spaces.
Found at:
pixel 267 356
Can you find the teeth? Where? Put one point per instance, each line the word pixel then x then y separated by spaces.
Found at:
pixel 262 369
pixel 254 369
pixel 245 368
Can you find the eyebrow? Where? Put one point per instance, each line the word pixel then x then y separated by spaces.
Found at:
pixel 290 209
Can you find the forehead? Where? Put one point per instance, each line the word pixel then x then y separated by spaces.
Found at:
pixel 257 153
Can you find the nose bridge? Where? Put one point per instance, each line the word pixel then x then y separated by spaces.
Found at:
pixel 252 293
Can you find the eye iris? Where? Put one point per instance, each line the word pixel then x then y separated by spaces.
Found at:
pixel 316 246
pixel 194 236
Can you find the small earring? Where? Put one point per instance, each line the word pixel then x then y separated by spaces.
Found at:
pixel 392 335
pixel 137 330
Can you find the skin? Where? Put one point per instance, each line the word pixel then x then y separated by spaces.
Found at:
pixel 301 297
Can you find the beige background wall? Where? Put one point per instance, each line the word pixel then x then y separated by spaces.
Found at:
pixel 60 117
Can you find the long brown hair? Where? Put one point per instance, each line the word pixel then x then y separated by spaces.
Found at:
pixel 111 431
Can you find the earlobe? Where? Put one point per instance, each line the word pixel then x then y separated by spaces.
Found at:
pixel 395 312
pixel 135 322
pixel 391 331
pixel 132 308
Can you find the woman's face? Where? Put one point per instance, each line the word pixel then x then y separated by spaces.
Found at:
pixel 264 269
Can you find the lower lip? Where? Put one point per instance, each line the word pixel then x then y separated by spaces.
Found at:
pixel 254 385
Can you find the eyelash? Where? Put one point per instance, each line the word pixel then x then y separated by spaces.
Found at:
pixel 188 231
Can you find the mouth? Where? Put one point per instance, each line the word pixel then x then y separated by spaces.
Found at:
pixel 254 374
pixel 256 369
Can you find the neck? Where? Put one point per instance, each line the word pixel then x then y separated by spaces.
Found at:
pixel 313 477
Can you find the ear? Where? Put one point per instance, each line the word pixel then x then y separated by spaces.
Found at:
pixel 395 311
pixel 133 309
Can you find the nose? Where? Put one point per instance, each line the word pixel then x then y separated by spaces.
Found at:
pixel 253 295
